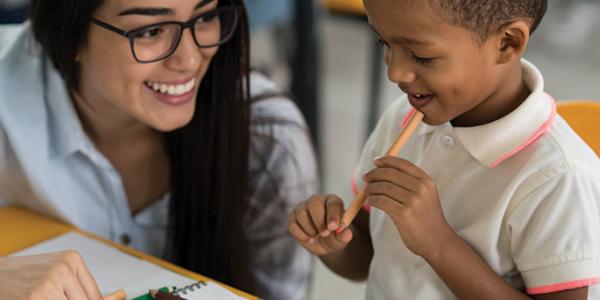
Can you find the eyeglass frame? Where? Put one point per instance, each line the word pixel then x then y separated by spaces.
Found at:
pixel 130 34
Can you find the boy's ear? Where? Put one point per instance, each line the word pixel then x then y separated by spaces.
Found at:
pixel 513 38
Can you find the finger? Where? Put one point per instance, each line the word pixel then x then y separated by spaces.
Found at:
pixel 305 220
pixel 384 188
pixel 84 278
pixel 317 212
pixel 392 175
pixel 402 165
pixel 337 241
pixel 386 204
pixel 73 289
pixel 335 211
pixel 297 232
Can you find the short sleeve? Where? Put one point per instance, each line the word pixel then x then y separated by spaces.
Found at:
pixel 554 233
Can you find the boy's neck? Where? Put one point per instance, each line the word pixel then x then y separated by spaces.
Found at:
pixel 509 94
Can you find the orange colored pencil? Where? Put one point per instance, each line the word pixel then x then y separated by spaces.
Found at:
pixel 117 295
pixel 398 144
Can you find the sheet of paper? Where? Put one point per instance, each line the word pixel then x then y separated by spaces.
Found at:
pixel 113 269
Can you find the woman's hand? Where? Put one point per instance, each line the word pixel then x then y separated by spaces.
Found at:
pixel 409 196
pixel 314 224
pixel 60 275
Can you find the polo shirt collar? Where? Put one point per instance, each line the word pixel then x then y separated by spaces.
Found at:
pixel 494 142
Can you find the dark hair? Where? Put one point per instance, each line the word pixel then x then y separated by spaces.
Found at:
pixel 484 17
pixel 208 157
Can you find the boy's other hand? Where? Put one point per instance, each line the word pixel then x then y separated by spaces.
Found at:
pixel 409 196
pixel 315 222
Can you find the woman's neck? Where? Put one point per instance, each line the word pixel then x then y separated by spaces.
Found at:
pixel 106 125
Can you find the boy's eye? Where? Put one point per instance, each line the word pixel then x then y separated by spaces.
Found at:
pixel 421 60
pixel 380 42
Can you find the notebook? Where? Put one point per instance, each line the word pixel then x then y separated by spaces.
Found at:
pixel 205 291
pixel 114 269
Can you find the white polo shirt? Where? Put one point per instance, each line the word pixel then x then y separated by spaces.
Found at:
pixel 522 191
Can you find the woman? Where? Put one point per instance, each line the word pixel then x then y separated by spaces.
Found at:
pixel 133 120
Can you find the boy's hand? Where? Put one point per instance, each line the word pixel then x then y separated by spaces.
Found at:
pixel 409 196
pixel 314 224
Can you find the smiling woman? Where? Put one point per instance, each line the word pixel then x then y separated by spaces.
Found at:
pixel 153 133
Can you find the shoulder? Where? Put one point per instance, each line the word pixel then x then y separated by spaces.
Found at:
pixel 280 140
pixel 268 102
pixel 21 69
pixel 559 169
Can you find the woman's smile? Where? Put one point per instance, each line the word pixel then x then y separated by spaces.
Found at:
pixel 173 93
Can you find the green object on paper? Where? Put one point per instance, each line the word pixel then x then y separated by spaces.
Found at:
pixel 147 296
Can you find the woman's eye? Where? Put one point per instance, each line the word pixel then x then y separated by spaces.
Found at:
pixel 149 33
pixel 206 18
pixel 421 60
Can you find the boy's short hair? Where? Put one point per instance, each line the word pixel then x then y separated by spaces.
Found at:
pixel 484 17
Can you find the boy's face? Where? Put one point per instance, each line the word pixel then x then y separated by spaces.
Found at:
pixel 442 68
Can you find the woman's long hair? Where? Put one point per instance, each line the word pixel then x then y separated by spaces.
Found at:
pixel 208 157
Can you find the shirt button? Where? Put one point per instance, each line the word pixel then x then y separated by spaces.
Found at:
pixel 447 142
pixel 125 239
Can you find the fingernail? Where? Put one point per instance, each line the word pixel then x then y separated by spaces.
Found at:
pixel 325 233
pixel 332 225
pixel 311 241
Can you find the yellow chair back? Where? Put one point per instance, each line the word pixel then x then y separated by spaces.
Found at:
pixel 584 117
pixel 346 6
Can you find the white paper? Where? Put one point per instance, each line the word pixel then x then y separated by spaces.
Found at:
pixel 113 269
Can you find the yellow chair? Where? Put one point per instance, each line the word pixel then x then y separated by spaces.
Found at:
pixel 346 6
pixel 584 117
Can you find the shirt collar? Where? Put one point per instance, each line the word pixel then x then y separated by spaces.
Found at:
pixel 494 142
pixel 67 135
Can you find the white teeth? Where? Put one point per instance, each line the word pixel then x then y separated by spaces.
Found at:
pixel 171 89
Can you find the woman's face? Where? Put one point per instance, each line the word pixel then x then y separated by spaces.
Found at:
pixel 160 94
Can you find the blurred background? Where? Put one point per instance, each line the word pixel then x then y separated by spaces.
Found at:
pixel 324 54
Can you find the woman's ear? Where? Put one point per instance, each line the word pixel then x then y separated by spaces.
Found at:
pixel 513 38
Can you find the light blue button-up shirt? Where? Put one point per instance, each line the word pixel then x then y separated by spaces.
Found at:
pixel 48 163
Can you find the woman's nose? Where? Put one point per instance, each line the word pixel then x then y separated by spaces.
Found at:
pixel 187 56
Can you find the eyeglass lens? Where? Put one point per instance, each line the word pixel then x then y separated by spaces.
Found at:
pixel 210 29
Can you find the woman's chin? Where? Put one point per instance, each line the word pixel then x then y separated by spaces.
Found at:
pixel 171 124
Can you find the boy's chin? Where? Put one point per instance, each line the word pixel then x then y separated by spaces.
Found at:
pixel 432 121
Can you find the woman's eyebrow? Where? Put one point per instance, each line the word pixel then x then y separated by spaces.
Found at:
pixel 157 11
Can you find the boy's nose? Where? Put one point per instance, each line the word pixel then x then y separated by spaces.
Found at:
pixel 399 68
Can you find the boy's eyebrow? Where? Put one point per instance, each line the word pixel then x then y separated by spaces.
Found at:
pixel 404 40
pixel 157 11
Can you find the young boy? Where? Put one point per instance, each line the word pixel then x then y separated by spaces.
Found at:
pixel 495 197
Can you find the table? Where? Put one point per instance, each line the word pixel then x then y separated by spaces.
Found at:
pixel 21 228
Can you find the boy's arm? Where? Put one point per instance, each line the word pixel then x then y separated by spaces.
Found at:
pixel 457 265
pixel 353 261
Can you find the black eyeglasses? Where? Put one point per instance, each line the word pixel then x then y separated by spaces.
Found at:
pixel 158 41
